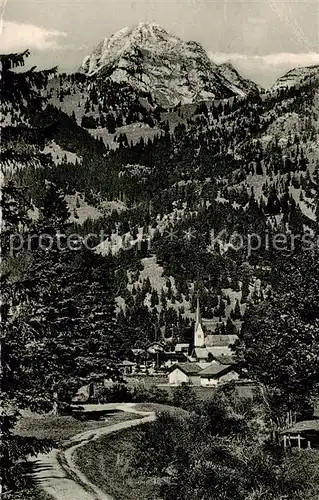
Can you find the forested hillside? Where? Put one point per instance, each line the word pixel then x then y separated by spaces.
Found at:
pixel 246 165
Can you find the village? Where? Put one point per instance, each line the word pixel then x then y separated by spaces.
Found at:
pixel 208 361
pixel 205 364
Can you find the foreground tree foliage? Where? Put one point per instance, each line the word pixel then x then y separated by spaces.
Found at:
pixel 70 305
pixel 57 309
pixel 279 341
pixel 20 91
pixel 221 452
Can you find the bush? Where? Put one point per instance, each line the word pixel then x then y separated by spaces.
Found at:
pixel 196 465
pixel 117 393
pixel 121 393
pixel 158 395
pixel 185 397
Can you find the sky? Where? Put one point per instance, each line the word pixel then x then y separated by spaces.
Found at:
pixel 262 38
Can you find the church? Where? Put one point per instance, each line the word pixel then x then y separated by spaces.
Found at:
pixel 210 362
pixel 210 347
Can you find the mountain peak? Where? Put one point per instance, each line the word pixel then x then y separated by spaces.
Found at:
pixel 138 36
pixel 150 59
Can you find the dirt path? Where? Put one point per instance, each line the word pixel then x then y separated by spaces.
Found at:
pixel 57 473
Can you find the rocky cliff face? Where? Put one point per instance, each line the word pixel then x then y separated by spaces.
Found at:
pixel 242 86
pixel 152 60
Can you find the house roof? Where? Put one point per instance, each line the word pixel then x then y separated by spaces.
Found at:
pixel 214 370
pixel 204 364
pixel 220 340
pixel 175 355
pixel 304 426
pixel 126 362
pixel 187 368
pixel 156 346
pixel 137 351
pixel 225 359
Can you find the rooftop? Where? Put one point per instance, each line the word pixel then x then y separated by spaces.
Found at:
pixel 220 340
pixel 303 426
pixel 187 368
pixel 126 362
pixel 180 347
pixel 214 369
pixel 225 359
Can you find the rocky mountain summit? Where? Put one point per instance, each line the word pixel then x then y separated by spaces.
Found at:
pixel 150 59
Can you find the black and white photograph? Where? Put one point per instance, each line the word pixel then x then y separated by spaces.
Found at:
pixel 159 314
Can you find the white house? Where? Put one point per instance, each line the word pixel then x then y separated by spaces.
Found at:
pixel 182 348
pixel 216 374
pixel 184 372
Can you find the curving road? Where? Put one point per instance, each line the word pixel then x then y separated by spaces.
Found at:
pixel 57 473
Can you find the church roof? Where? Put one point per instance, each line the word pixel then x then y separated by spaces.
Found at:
pixel 198 318
pixel 220 340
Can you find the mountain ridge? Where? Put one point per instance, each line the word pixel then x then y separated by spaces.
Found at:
pixel 296 76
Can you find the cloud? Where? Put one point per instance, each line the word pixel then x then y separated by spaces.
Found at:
pixel 16 36
pixel 276 59
pixel 266 69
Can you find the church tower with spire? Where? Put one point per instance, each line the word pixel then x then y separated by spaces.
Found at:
pixel 199 337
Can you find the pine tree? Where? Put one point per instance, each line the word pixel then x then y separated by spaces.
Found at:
pixel 71 306
pixel 154 298
pixel 316 183
pixel 20 378
pixel 236 314
pixel 244 290
pixel 163 299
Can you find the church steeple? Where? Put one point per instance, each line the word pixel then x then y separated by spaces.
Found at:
pixel 199 338
pixel 198 314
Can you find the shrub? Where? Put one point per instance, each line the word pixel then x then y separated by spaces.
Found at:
pixel 121 393
pixel 185 397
